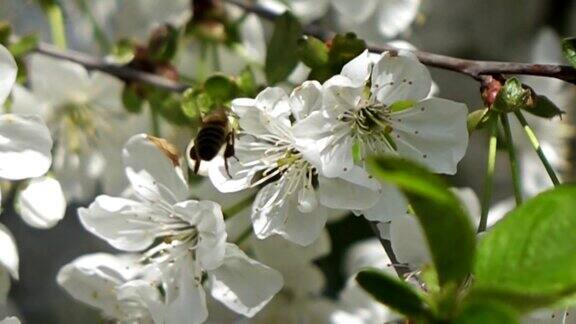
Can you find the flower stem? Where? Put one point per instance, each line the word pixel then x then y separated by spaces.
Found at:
pixel 489 179
pixel 155 121
pixel 56 20
pixel 216 64
pixel 238 207
pixel 536 145
pixel 512 158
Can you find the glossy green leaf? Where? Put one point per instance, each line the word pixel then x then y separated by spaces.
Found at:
pixel 569 50
pixel 393 293
pixel 531 254
pixel 282 54
pixel 220 88
pixel 478 119
pixel 313 52
pixel 343 49
pixel 545 108
pixel 246 83
pixel 447 227
pixel 163 43
pixel 486 311
pixel 132 101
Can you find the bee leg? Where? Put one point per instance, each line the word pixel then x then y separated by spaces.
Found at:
pixel 194 156
pixel 229 151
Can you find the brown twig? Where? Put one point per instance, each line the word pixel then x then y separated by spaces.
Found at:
pixel 473 68
pixel 120 71
pixel 478 70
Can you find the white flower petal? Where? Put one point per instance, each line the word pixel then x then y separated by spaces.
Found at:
pixel 292 254
pixel 94 278
pixel 341 94
pixel 144 293
pixel 358 69
pixel 187 299
pixel 408 241
pixel 58 81
pixel 367 253
pixel 395 16
pixel 10 320
pixel 243 284
pixel 356 11
pixel 342 194
pixel 391 204
pixel 396 78
pixel 8 71
pixel 8 253
pixel 125 224
pixel 24 102
pixel 433 133
pixel 306 99
pixel 152 173
pixel 41 204
pixel 25 146
pixel 307 201
pixel 207 217
pixel 284 218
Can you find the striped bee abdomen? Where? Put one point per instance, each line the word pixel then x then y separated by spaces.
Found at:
pixel 209 140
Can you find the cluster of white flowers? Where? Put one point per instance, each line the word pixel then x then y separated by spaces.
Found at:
pixel 300 159
pixel 25 145
pixel 306 153
pixel 309 147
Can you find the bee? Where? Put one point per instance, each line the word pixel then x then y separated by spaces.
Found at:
pixel 215 131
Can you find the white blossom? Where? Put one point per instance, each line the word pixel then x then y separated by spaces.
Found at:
pixel 85 114
pixel 353 300
pixel 193 244
pixel 289 204
pixel 100 280
pixel 387 17
pixel 300 300
pixel 25 141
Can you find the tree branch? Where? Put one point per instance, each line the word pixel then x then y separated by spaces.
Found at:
pixel 473 68
pixel 120 71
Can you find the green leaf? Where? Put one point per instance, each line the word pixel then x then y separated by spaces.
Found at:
pixel 5 32
pixel 446 225
pixel 312 51
pixel 344 48
pixel 24 45
pixel 195 103
pixel 478 119
pixel 220 88
pixel 163 43
pixel 132 101
pixel 545 108
pixel 393 293
pixel 486 311
pixel 512 96
pixel 282 56
pixel 531 254
pixel 569 50
pixel 246 82
pixel 123 51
